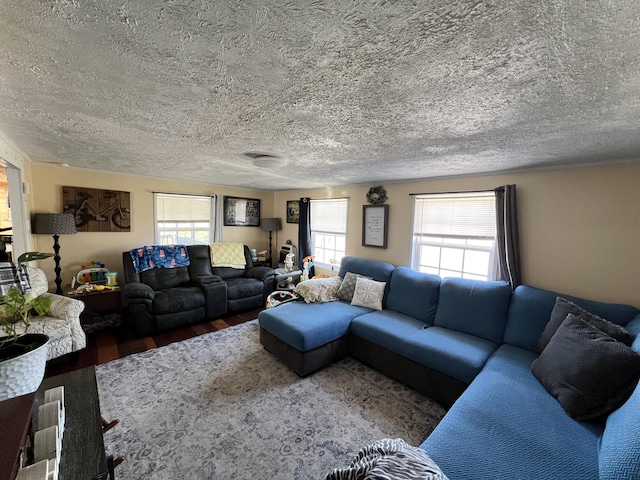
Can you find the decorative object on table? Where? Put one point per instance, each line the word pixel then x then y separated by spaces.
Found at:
pixel 293 211
pixel 97 210
pixel 23 355
pixel 241 212
pixel 375 219
pixel 112 279
pixel 288 262
pixel 91 272
pixel 55 224
pixel 271 225
pixel 254 254
pixel 334 264
pixel 377 195
pixel 307 265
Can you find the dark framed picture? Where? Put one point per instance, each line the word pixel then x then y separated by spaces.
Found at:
pixel 293 211
pixel 241 212
pixel 375 221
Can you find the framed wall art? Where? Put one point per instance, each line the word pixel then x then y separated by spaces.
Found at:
pixel 98 210
pixel 375 220
pixel 241 212
pixel 293 211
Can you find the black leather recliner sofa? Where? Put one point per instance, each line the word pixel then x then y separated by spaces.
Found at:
pixel 246 289
pixel 161 299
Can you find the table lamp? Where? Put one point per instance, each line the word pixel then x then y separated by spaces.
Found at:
pixel 55 224
pixel 271 225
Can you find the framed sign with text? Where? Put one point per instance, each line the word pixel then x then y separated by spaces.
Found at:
pixel 375 220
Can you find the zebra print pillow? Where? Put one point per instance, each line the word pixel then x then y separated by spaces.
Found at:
pixel 390 459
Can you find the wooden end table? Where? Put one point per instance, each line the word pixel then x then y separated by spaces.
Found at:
pixel 100 301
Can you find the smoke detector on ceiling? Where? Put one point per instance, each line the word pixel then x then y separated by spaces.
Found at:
pixel 268 161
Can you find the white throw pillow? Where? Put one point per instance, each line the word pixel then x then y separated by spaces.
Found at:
pixel 368 293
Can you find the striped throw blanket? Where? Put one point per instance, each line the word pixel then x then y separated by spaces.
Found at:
pixel 227 254
pixel 390 459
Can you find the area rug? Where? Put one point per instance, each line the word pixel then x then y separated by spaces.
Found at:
pixel 219 406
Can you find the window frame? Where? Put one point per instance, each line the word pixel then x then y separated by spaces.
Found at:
pixel 452 241
pixel 329 233
pixel 188 225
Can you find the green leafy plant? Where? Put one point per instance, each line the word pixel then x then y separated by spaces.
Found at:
pixel 16 308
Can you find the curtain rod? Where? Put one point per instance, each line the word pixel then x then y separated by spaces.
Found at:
pixel 459 191
pixel 187 194
pixel 332 198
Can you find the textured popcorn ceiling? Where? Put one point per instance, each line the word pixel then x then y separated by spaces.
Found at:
pixel 346 91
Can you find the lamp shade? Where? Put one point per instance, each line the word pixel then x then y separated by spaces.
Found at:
pixel 54 223
pixel 271 224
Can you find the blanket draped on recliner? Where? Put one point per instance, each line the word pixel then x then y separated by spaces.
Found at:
pixel 227 254
pixel 159 256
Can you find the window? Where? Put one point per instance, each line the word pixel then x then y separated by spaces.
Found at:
pixel 329 229
pixel 454 235
pixel 184 219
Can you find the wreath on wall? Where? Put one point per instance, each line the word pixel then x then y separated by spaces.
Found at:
pixel 377 195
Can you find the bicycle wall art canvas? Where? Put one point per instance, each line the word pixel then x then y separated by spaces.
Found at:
pixel 98 210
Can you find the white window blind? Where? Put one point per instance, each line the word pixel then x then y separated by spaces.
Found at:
pixel 329 216
pixel 454 235
pixel 183 219
pixel 461 215
pixel 329 229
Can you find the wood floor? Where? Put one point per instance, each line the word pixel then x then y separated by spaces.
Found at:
pixel 113 343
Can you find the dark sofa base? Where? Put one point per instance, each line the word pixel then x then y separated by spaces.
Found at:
pixel 304 363
pixel 425 380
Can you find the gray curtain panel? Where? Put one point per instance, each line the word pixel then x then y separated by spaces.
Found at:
pixel 507 235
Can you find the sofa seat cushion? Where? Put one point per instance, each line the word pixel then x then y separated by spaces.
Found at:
pixel 506 425
pixel 307 326
pixel 456 354
pixel 243 287
pixel 178 299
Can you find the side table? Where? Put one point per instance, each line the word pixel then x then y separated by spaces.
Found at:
pixel 100 301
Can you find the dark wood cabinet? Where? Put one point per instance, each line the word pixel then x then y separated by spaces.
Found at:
pixel 15 419
pixel 83 456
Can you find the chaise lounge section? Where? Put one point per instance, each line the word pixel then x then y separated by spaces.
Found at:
pixel 470 345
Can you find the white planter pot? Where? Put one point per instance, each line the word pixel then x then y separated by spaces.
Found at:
pixel 23 374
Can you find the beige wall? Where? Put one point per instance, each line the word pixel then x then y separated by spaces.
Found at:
pixel 579 228
pixel 46 197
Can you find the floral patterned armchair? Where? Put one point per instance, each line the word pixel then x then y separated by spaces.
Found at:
pixel 62 322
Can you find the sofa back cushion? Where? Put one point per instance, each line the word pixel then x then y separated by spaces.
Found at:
pixel 618 448
pixel 531 308
pixel 164 278
pixel 413 293
pixel 476 307
pixel 379 271
pixel 229 272
pixel 200 260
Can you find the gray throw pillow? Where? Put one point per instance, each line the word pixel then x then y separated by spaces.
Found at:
pixel 348 286
pixel 588 372
pixel 564 307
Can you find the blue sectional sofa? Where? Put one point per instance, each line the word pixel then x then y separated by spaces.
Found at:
pixel 470 345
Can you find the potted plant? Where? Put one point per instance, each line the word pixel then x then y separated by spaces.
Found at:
pixel 23 355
